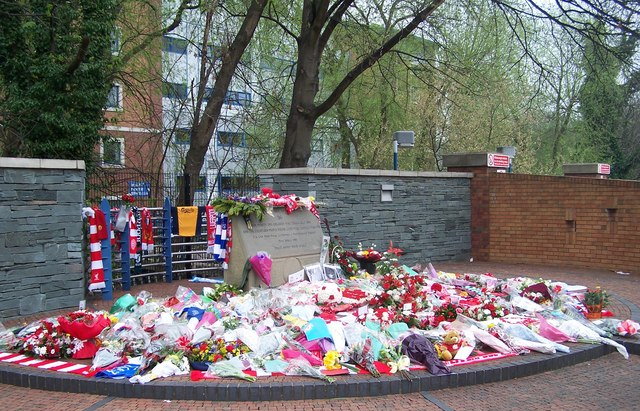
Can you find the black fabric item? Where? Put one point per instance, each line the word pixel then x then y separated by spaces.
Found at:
pixel 174 220
pixel 420 350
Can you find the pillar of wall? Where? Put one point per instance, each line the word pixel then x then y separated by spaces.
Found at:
pixel 481 165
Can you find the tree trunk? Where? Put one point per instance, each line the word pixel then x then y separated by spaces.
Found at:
pixel 302 114
pixel 203 128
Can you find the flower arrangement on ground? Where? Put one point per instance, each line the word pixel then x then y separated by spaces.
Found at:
pixel 212 351
pixel 49 341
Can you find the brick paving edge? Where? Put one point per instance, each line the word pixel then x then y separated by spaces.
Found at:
pixel 516 367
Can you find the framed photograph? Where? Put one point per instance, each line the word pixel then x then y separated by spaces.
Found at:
pixel 333 272
pixel 314 272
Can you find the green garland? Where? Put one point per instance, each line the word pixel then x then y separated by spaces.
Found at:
pixel 246 208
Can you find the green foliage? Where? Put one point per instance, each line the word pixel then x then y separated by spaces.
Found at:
pixel 602 102
pixel 596 297
pixel 240 207
pixel 54 76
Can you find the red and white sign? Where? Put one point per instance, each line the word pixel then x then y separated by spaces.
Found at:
pixel 604 169
pixel 497 160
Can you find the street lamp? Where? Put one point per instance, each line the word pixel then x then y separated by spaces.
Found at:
pixel 404 139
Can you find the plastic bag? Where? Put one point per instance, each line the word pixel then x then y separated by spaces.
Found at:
pixel 550 332
pixel 532 341
pixel 261 264
pixel 524 304
pixel 122 218
pixel 105 356
pixel 229 368
pixel 300 366
pixel 128 334
pixel 124 303
pixel 7 338
pixel 171 365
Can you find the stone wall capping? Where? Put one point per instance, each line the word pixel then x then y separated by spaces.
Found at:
pixel 361 172
pixel 41 163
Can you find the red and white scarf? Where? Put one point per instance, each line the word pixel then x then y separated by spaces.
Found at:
pixel 211 228
pixel 147 231
pixel 96 280
pixel 133 236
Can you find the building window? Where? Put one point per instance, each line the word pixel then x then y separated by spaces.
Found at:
pixel 116 36
pixel 113 152
pixel 174 45
pixel 174 90
pixel 213 52
pixel 237 98
pixel 183 136
pixel 318 146
pixel 231 139
pixel 207 94
pixel 114 98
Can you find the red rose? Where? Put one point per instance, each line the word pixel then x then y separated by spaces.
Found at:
pixel 436 287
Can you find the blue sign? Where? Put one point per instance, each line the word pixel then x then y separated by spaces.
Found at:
pixel 140 188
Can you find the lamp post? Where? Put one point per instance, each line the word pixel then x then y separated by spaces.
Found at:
pixel 402 139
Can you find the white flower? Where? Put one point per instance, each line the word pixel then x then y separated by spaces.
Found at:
pixel 53 351
pixel 486 311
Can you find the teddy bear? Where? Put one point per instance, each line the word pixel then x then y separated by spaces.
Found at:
pixel 451 343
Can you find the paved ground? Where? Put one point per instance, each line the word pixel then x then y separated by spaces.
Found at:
pixel 606 383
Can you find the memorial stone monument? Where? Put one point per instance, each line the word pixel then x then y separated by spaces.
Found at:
pixel 292 240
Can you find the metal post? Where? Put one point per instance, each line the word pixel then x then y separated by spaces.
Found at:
pixel 166 239
pixel 125 257
pixel 105 247
pixel 395 154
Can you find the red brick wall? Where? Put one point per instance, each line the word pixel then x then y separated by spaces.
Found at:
pixel 557 220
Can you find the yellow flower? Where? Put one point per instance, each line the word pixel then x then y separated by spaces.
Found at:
pixel 331 360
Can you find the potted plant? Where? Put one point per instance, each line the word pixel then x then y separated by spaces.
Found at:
pixel 595 301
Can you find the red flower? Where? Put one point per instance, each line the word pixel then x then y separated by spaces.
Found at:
pixel 393 250
pixel 436 287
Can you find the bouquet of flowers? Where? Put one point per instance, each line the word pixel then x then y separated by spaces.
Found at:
pixel 229 368
pixel 49 341
pixel 218 291
pixel 536 297
pixel 395 359
pixel 489 309
pixel 212 351
pixel 446 312
pixel 361 354
pixel 404 294
pixel 369 255
pixel 331 360
pixel 128 199
pixel 84 324
pixel 345 259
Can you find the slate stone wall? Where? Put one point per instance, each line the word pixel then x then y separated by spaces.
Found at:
pixel 40 235
pixel 429 216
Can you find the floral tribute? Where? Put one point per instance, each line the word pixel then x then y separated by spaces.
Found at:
pixel 385 322
pixel 369 255
pixel 49 341
pixel 128 199
pixel 212 351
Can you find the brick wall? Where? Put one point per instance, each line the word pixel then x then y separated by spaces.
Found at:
pixel 40 235
pixel 560 220
pixel 429 216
